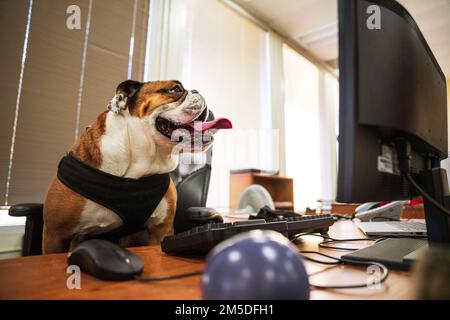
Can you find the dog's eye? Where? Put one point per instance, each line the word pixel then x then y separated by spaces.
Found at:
pixel 176 89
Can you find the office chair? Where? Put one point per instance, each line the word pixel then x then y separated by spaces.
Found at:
pixel 191 181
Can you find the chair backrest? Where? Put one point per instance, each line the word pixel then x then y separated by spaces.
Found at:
pixel 32 239
pixel 192 190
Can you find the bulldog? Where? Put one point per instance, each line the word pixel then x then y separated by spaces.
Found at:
pixel 114 181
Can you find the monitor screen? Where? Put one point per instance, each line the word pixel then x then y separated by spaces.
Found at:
pixel 390 87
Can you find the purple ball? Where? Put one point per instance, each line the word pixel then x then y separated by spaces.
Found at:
pixel 260 264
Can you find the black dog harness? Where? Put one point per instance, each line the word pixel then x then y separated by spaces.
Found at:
pixel 133 200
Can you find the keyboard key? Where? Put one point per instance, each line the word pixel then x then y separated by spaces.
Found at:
pixel 249 222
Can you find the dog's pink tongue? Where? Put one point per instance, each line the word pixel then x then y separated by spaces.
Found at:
pixel 220 123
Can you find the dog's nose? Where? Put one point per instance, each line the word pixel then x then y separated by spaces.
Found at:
pixel 194 91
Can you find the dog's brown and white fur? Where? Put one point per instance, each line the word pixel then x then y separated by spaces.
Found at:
pixel 123 141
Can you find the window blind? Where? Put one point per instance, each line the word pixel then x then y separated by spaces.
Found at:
pixel 13 17
pixel 68 78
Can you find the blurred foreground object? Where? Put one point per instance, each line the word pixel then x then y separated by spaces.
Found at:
pixel 433 274
pixel 255 265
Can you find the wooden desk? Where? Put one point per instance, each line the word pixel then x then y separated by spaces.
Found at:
pixel 44 277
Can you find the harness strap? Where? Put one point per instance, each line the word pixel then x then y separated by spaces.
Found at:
pixel 133 200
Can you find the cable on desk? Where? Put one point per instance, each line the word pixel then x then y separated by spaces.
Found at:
pixel 165 278
pixel 324 246
pixel 326 237
pixel 375 239
pixel 404 157
pixel 338 216
pixel 424 194
pixel 335 262
pixel 196 273
pixel 382 219
pixel 338 261
pixel 329 239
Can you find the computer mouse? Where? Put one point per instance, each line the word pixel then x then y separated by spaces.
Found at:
pixel 201 215
pixel 106 260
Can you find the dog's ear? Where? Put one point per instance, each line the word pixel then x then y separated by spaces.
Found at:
pixel 125 97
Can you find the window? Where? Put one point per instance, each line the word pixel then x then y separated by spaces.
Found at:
pixel 226 61
pixel 311 115
pixel 303 161
pixel 329 131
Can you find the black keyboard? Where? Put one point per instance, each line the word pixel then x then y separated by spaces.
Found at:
pixel 301 224
pixel 200 240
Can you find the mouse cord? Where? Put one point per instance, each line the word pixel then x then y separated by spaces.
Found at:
pixel 342 216
pixel 338 261
pixel 328 240
pixel 375 239
pixel 335 262
pixel 164 278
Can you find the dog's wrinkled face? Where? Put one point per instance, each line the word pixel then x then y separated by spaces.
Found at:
pixel 175 115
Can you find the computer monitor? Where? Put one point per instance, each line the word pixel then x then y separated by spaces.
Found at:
pixel 393 110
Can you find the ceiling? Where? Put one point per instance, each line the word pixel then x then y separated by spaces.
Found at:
pixel 313 24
